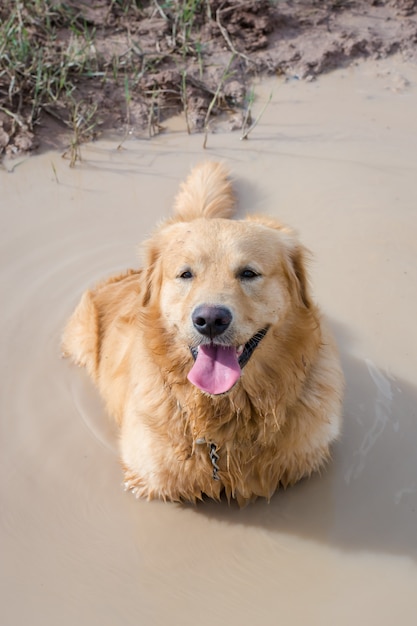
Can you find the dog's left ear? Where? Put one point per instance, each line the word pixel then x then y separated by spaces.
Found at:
pixel 295 259
pixel 296 272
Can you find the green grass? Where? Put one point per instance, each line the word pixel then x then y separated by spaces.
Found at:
pixel 49 59
pixel 182 16
pixel 36 69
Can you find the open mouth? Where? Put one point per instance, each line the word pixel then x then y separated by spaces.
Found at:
pixel 218 367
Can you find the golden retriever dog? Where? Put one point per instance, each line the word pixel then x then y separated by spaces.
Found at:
pixel 213 358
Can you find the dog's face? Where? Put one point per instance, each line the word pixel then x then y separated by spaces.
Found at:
pixel 221 286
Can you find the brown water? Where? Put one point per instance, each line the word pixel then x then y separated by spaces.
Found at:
pixel 337 159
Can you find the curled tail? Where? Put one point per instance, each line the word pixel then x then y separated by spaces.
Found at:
pixel 207 192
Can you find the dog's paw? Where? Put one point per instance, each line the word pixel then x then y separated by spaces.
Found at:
pixel 134 485
pixel 139 487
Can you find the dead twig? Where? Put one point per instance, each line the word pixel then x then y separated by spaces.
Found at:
pixel 227 38
pixel 160 10
pixel 214 99
pixel 245 134
pixel 184 98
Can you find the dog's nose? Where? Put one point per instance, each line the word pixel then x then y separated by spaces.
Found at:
pixel 211 321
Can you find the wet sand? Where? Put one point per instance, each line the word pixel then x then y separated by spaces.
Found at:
pixel 337 160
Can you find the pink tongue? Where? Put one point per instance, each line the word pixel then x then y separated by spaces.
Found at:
pixel 216 369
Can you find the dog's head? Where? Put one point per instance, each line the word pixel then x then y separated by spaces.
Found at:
pixel 221 287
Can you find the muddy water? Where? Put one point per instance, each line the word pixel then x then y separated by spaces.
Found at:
pixel 337 159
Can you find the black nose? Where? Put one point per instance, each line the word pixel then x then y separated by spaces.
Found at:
pixel 210 320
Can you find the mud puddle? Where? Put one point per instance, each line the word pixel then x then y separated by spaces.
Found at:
pixel 335 158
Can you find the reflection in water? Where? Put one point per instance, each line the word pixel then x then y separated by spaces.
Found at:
pixel 335 549
pixel 382 416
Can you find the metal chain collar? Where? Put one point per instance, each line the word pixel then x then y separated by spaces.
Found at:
pixel 214 457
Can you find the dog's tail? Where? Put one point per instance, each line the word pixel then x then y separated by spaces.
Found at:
pixel 207 192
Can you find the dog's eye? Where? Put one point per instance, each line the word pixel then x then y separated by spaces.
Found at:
pixel 186 275
pixel 248 274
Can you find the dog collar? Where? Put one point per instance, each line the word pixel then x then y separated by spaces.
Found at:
pixel 214 457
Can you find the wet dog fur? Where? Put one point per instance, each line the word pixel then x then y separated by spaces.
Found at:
pixel 137 337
